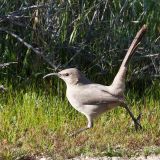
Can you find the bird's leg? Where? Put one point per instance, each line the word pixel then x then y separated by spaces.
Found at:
pixel 135 120
pixel 78 131
pixel 90 125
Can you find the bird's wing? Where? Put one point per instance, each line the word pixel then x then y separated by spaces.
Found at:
pixel 94 94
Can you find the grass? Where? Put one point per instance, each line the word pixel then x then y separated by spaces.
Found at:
pixel 36 122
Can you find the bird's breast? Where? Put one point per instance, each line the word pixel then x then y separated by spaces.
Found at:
pixel 73 99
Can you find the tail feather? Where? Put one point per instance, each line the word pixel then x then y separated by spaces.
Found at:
pixel 119 80
pixel 134 45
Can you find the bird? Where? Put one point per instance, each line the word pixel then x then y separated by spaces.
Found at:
pixel 92 99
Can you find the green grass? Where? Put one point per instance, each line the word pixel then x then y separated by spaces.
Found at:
pixel 34 122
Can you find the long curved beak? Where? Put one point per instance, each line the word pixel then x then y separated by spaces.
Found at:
pixel 51 74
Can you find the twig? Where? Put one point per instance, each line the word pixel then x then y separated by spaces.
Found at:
pixel 30 47
pixel 71 59
pixel 151 55
pixel 30 7
pixel 156 76
pixel 140 71
pixel 7 64
pixel 157 39
pixel 16 14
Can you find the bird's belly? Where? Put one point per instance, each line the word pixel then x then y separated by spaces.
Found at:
pixel 96 110
pixel 92 110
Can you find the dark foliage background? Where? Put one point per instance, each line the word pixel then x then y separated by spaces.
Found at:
pixel 90 35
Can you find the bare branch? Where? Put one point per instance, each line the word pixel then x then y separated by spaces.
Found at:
pixel 151 55
pixel 18 14
pixel 7 64
pixel 38 53
pixel 137 72
pixel 29 8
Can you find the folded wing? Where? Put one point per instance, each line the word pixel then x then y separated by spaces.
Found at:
pixel 95 94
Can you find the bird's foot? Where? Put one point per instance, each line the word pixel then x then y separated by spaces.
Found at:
pixel 137 122
pixel 74 134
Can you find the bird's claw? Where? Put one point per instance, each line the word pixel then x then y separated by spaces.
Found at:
pixel 137 122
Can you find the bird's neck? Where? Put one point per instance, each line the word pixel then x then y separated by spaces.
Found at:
pixel 83 80
pixel 78 82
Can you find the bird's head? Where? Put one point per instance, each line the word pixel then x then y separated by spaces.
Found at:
pixel 71 76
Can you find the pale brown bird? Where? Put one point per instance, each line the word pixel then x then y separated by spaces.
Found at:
pixel 92 99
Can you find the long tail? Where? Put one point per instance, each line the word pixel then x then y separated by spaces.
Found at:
pixel 119 80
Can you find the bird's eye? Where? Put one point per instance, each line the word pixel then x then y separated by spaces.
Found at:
pixel 67 74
